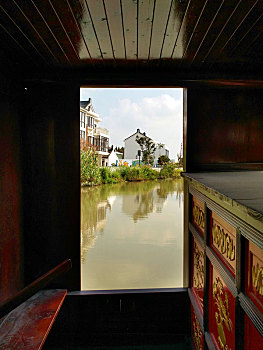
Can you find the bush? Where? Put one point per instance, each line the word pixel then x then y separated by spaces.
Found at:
pixel 149 173
pixel 169 170
pixel 109 176
pixel 91 174
pixel 124 172
pixel 89 166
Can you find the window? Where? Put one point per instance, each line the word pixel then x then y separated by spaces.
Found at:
pixel 104 144
pixel 82 134
pixel 82 119
pixel 91 122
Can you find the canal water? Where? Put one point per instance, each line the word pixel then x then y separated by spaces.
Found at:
pixel 132 235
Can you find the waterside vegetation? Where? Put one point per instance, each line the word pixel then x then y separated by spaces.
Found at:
pixel 93 175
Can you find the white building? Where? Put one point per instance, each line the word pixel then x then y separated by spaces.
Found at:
pixel 114 157
pixel 131 147
pixel 91 134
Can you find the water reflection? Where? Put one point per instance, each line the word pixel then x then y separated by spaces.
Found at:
pixel 136 218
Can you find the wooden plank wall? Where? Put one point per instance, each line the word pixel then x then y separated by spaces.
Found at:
pixel 51 181
pixel 224 129
pixel 11 225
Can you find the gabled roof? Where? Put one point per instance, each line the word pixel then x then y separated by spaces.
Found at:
pixel 87 105
pixel 137 132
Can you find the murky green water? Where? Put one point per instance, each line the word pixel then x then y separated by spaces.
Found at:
pixel 132 235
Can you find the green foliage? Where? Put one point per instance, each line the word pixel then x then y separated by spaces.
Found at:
pixel 149 173
pixel 119 149
pixel 106 175
pixel 148 148
pixel 89 166
pixel 163 159
pixel 169 170
pixel 109 176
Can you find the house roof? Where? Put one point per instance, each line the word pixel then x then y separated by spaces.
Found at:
pixel 137 132
pixel 87 105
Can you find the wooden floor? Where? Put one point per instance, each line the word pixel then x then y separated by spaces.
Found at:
pixel 244 187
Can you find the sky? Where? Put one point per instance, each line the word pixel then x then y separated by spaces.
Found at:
pixel 157 112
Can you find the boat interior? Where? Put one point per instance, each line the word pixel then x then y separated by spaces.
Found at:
pixel 51 48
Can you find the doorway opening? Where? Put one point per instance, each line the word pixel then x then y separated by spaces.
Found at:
pixel 131 202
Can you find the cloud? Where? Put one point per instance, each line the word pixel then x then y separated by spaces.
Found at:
pixel 161 117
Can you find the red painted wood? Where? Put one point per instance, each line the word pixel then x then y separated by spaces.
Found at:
pixel 221 312
pixel 27 326
pixel 236 115
pixel 197 273
pixel 253 339
pixel 226 232
pixel 254 274
pixel 197 334
pixel 197 215
pixel 34 287
pixel 11 231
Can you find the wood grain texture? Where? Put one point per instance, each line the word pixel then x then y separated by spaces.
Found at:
pixel 100 23
pixel 85 26
pixel 185 37
pixel 11 227
pixel 129 13
pixel 160 18
pixel 145 19
pixel 28 325
pixel 174 23
pixel 114 17
pixel 53 23
pixel 191 19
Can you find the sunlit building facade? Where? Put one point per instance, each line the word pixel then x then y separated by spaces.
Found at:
pixel 92 135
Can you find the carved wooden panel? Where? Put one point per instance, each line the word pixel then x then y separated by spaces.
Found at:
pixel 221 312
pixel 223 241
pixel 196 331
pixel 254 274
pixel 197 273
pixel 253 339
pixel 198 217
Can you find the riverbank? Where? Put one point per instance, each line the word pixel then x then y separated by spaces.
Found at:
pixel 97 176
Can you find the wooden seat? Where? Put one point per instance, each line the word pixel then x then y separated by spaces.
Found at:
pixel 27 326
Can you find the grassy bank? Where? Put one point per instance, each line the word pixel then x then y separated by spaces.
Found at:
pixel 92 175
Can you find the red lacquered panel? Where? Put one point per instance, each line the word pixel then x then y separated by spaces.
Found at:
pixel 198 216
pixel 221 313
pixel 253 339
pixel 223 241
pixel 28 325
pixel 254 275
pixel 196 331
pixel 197 273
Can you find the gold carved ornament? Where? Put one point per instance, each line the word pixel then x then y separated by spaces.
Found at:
pixel 197 333
pixel 257 278
pixel 224 242
pixel 222 315
pixel 198 277
pixel 198 216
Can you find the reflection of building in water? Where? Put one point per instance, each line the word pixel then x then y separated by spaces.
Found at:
pixel 96 223
pixel 140 205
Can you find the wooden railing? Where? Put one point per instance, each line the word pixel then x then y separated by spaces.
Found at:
pixel 34 287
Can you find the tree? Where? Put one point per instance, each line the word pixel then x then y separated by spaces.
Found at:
pixel 180 160
pixel 163 160
pixel 120 150
pixel 148 147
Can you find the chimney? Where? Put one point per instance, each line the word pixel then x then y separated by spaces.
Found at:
pixel 144 134
pixel 138 130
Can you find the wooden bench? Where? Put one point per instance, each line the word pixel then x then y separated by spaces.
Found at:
pixel 28 324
